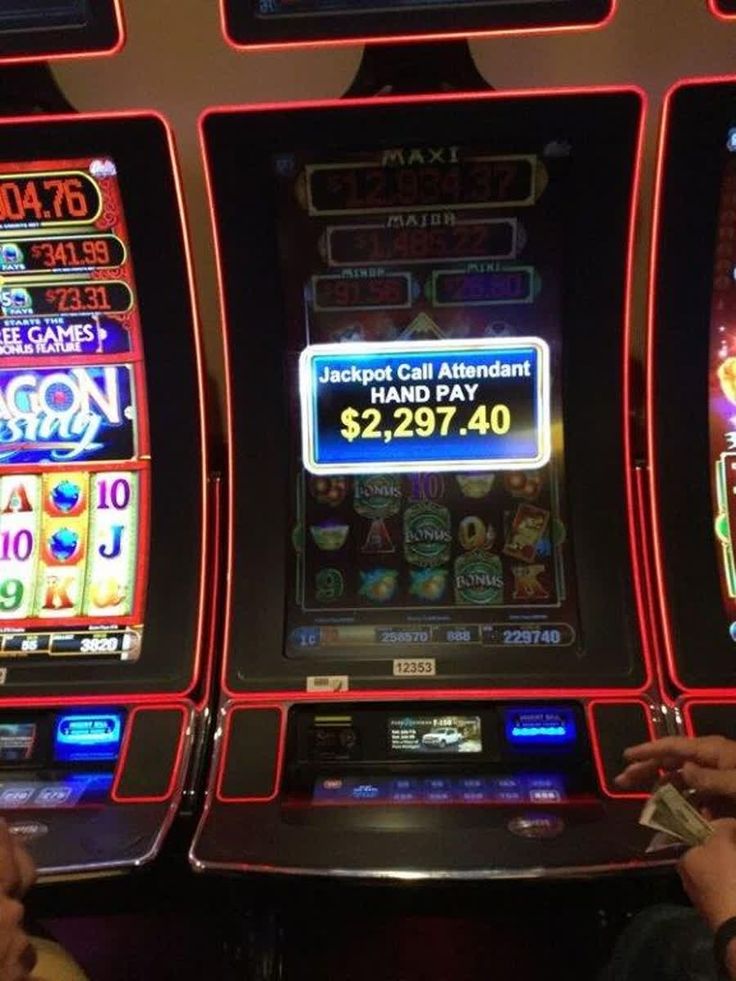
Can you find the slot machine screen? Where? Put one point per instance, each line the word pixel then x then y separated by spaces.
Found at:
pixel 301 21
pixel 694 351
pixel 44 28
pixel 419 378
pixel 422 298
pixel 81 315
pixel 75 458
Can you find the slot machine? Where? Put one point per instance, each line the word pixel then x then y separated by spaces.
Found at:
pixel 295 23
pixel 102 489
pixel 104 500
pixel 692 344
pixel 436 648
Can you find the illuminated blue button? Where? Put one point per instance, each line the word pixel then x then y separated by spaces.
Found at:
pixel 539 726
pixel 366 790
pixel 53 796
pixel 437 789
pixel 16 796
pixel 404 790
pixel 86 736
pixel 506 790
pixel 473 790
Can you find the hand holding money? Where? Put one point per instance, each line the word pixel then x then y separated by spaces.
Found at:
pixel 705 763
pixel 667 811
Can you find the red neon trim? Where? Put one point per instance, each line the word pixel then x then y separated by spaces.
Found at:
pixel 176 768
pixel 652 617
pixel 651 383
pixel 224 333
pixel 207 542
pixel 720 14
pixel 627 420
pixel 278 769
pixel 404 38
pixel 598 756
pixel 214 606
pixel 77 54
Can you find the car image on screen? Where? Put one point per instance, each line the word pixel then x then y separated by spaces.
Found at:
pixel 442 738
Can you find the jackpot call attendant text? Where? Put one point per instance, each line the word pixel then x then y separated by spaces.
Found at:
pixel 385 407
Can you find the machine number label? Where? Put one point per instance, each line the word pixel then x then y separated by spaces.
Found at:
pixel 425 666
pixel 332 682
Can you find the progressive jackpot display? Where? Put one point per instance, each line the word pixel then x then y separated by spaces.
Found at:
pixel 74 444
pixel 422 291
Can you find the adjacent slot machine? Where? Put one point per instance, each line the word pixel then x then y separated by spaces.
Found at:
pixel 102 489
pixel 692 400
pixel 434 621
pixel 287 23
pixel 33 30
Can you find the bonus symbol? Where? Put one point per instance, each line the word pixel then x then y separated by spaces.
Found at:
pixel 63 544
pixel 65 496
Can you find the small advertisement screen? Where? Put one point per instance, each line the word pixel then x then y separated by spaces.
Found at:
pixel 17 740
pixel 426 734
pixel 39 15
pixel 422 288
pixel 74 444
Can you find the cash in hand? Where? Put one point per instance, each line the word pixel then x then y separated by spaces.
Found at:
pixel 674 818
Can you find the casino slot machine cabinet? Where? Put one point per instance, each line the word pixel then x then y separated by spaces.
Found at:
pixel 435 651
pixel 692 401
pixel 103 497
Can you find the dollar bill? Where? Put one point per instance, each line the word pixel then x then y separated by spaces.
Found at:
pixel 669 813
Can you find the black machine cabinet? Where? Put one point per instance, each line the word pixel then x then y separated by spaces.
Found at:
pixel 425 633
pixel 319 789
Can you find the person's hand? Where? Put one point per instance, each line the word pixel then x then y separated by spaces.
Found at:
pixel 17 955
pixel 708 873
pixel 17 871
pixel 17 875
pixel 707 764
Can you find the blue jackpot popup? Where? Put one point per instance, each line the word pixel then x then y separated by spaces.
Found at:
pixel 468 405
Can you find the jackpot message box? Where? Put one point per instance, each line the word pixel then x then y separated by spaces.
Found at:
pixel 473 405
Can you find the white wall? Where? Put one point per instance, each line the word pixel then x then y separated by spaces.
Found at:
pixel 177 62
